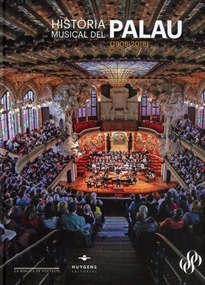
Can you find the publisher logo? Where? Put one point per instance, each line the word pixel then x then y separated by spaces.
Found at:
pixel 192 260
pixel 86 267
pixel 84 257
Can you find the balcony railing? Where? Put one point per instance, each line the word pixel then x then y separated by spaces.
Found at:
pixel 175 174
pixel 50 258
pixel 199 152
pixel 37 151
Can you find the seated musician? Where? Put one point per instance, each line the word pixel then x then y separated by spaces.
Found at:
pixel 134 179
pixel 130 178
pixel 102 180
pixel 95 182
pixel 152 175
pixel 89 183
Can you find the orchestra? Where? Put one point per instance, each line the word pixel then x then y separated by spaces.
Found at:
pixel 118 167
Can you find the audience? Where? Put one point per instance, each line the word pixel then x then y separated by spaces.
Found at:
pixel 194 134
pixel 189 167
pixel 23 143
pixel 72 221
pixel 174 223
pixel 50 220
pixel 143 223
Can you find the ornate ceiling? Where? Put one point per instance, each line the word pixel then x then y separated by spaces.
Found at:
pixel 29 52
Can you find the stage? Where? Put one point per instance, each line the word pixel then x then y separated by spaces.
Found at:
pixel 142 186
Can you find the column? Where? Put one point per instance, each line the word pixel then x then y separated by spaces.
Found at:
pixel 76 115
pixel 151 109
pixel 160 113
pixel 139 109
pixel 99 110
pixel 98 88
pixel 168 114
pixel 39 117
pixel 168 121
pixel 1 135
pixel 86 113
pixel 21 121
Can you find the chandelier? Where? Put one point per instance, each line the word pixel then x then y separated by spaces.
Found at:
pixel 118 74
pixel 118 80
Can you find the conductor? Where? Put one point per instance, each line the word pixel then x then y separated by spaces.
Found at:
pixel 118 180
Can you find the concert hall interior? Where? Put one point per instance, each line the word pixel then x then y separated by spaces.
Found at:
pixel 100 126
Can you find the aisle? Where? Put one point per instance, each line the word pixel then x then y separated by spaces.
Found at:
pixel 113 256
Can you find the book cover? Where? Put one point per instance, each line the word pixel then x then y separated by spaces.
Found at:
pixel 122 79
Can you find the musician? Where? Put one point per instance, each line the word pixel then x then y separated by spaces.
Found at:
pixel 89 183
pixel 95 182
pixel 102 180
pixel 134 179
pixel 130 178
pixel 118 180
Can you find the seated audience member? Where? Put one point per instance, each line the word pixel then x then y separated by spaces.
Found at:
pixel 80 197
pixel 40 209
pixel 62 208
pixel 166 209
pixel 151 204
pixel 174 223
pixel 98 203
pixel 22 199
pixel 134 207
pixel 71 221
pixel 193 217
pixel 50 220
pixel 183 204
pixel 144 224
pixel 34 199
pixel 5 233
pixel 88 214
pixel 7 236
pixel 31 219
pixel 49 199
pixel 56 200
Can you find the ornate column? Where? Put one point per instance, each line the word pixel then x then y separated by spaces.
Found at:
pixel 151 109
pixel 86 113
pixel 21 121
pixel 160 113
pixel 76 115
pixel 168 112
pixel 1 135
pixel 98 89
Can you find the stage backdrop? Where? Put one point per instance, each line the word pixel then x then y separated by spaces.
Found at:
pixel 144 142
pixel 140 142
pixel 94 142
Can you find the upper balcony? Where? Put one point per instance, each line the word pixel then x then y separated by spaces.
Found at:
pixel 198 151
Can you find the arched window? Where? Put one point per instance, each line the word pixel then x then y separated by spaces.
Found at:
pixel 30 113
pixel 145 107
pixel 92 103
pixel 9 123
pixel 155 111
pixel 201 117
pixel 91 107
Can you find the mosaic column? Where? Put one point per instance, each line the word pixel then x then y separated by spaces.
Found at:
pixel 168 115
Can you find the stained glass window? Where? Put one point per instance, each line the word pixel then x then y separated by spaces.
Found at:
pixel 30 113
pixel 10 122
pixel 201 117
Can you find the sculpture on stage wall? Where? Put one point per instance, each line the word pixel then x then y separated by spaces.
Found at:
pixel 108 142
pixel 130 142
pixel 119 138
